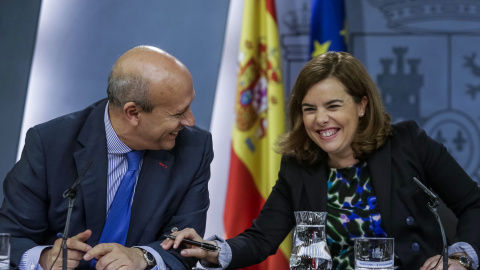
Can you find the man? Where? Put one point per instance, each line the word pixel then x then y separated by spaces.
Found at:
pixel 148 109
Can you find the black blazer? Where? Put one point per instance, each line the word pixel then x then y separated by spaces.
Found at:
pixel 408 153
pixel 172 188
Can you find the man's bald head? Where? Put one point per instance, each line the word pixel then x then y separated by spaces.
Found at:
pixel 136 70
pixel 150 93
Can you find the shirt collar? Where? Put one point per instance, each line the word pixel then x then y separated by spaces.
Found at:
pixel 114 144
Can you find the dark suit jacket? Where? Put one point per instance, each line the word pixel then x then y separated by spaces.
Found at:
pixel 409 152
pixel 57 151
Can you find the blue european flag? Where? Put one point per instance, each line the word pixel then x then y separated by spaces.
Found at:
pixel 327 26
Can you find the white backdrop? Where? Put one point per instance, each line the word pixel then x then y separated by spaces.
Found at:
pixel 223 116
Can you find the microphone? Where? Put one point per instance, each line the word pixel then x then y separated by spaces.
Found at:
pixel 432 205
pixel 72 191
pixel 430 194
pixel 71 194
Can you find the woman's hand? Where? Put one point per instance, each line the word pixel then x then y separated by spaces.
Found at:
pixel 431 262
pixel 190 250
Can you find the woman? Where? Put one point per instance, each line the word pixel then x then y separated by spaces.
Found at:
pixel 343 156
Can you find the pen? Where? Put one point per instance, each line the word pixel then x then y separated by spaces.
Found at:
pixel 202 245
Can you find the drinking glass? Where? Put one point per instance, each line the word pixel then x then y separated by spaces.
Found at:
pixel 309 248
pixel 374 253
pixel 4 251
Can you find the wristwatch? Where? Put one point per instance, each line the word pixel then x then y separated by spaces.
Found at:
pixel 151 263
pixel 463 260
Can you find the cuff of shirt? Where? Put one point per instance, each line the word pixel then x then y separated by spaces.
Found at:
pixel 467 248
pixel 160 263
pixel 224 256
pixel 31 258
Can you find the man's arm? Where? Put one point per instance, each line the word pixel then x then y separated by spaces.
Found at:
pixel 192 210
pixel 24 210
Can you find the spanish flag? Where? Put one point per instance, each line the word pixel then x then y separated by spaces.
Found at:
pixel 327 26
pixel 260 119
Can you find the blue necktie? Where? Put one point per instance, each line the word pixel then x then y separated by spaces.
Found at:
pixel 118 219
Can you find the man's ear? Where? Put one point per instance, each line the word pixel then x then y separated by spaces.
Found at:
pixel 131 111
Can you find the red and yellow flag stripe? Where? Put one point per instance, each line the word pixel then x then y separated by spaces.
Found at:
pixel 260 119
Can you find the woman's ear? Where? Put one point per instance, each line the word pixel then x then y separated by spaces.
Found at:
pixel 363 106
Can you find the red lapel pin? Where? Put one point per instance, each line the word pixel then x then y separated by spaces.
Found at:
pixel 163 165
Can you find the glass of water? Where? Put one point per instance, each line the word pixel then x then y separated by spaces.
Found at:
pixel 374 253
pixel 309 249
pixel 4 251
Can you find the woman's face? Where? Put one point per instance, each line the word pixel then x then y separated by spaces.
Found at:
pixel 331 116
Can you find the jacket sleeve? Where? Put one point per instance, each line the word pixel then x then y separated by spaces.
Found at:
pixel 23 212
pixel 191 211
pixel 453 185
pixel 268 230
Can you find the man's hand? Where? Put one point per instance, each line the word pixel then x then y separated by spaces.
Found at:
pixel 115 256
pixel 431 262
pixel 75 250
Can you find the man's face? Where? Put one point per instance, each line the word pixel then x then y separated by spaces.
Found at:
pixel 159 128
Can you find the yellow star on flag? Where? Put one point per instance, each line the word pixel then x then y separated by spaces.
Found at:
pixel 320 48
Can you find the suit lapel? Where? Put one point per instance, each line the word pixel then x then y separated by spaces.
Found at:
pixel 94 183
pixel 380 165
pixel 151 187
pixel 315 179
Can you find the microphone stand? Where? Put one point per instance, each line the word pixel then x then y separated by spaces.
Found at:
pixel 432 205
pixel 71 193
pixel 71 199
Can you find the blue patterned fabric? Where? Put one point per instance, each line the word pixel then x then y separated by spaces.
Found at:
pixel 352 212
